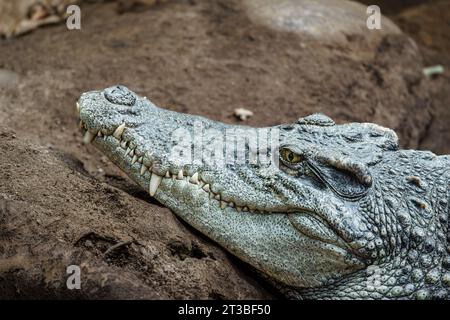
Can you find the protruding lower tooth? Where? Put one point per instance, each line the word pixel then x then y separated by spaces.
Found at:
pixel 128 151
pixel 194 178
pixel 217 197
pixel 133 161
pixel 141 159
pixel 132 153
pixel 239 209
pixel 211 195
pixel 245 209
pixel 167 174
pixel 252 210
pixel 123 144
pixel 88 137
pixel 223 204
pixel 180 175
pixel 99 134
pixel 155 180
pixel 78 107
pixel 231 204
pixel 206 187
pixel 143 169
pixel 118 132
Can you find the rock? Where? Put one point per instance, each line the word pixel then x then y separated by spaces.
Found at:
pixel 242 114
pixel 433 71
pixel 331 20
pixel 429 22
pixel 8 79
pixel 121 243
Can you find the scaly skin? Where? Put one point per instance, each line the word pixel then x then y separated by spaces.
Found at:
pixel 353 218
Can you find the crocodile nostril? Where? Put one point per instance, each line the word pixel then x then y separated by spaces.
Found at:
pixel 120 95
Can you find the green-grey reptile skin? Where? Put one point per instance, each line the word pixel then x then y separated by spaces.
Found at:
pixel 354 218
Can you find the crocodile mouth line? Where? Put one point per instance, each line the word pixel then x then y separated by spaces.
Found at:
pixel 313 226
pixel 134 156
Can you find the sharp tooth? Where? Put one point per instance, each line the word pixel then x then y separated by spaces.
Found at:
pixel 132 153
pixel 143 169
pixel 118 133
pixel 88 137
pixel 239 209
pixel 252 210
pixel 231 204
pixel 194 178
pixel 78 107
pixel 141 159
pixel 206 187
pixel 123 144
pixel 155 180
pixel 245 209
pixel 133 161
pixel 217 197
pixel 223 204
pixel 167 174
pixel 99 133
pixel 180 175
pixel 128 151
pixel 211 195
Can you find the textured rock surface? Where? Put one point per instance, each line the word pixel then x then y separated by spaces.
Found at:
pixel 218 61
pixel 54 214
pixel 430 24
pixel 332 20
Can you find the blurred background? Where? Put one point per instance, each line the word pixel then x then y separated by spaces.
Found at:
pixel 280 59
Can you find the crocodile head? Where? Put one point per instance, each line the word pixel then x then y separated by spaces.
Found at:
pixel 313 205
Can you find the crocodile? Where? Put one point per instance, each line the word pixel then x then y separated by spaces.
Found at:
pixel 339 211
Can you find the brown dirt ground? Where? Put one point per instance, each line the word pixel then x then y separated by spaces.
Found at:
pixel 63 203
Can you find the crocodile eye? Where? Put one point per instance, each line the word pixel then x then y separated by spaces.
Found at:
pixel 290 156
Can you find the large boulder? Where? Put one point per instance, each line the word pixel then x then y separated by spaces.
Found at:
pixel 54 214
pixel 325 20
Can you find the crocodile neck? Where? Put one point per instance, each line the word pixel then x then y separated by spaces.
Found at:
pixel 421 271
